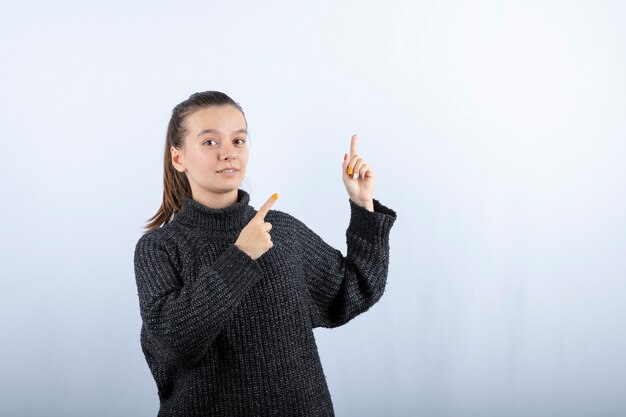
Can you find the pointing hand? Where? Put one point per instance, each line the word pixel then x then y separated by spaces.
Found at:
pixel 358 177
pixel 254 239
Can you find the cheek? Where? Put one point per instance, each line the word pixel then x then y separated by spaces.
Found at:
pixel 204 162
pixel 243 158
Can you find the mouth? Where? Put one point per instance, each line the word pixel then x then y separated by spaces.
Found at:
pixel 228 172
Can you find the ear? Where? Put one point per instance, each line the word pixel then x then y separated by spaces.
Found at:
pixel 177 159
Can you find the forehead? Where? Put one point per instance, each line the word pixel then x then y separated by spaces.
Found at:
pixel 224 118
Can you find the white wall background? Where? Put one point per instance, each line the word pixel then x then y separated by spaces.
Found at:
pixel 497 133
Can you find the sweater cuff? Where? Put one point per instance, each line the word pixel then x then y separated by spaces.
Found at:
pixel 238 271
pixel 366 223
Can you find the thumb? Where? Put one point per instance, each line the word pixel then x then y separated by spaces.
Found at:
pixel 265 208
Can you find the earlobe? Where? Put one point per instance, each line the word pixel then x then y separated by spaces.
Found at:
pixel 178 167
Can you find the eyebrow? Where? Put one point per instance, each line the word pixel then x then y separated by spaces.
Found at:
pixel 202 132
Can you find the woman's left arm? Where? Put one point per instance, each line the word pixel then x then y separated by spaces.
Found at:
pixel 341 287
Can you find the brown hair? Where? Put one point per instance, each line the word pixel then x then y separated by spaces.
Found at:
pixel 175 183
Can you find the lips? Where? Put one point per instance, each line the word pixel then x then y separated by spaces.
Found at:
pixel 234 169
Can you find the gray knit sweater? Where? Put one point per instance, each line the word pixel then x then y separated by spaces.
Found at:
pixel 226 335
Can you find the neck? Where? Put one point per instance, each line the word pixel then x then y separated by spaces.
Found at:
pixel 233 216
pixel 217 200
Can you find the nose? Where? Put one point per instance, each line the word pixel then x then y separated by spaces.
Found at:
pixel 229 153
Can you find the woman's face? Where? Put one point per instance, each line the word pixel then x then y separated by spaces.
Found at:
pixel 216 138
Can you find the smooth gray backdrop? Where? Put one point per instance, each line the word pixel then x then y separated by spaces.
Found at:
pixel 496 130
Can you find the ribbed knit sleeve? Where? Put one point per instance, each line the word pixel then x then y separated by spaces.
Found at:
pixel 183 318
pixel 341 287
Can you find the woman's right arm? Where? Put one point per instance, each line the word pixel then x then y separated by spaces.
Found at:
pixel 183 320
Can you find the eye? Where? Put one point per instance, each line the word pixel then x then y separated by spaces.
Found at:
pixel 210 140
pixel 242 140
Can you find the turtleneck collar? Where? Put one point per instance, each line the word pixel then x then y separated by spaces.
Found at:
pixel 231 217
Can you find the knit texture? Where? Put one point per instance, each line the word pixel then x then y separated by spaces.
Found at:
pixel 226 335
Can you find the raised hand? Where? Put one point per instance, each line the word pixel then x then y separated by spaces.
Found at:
pixel 358 177
pixel 254 239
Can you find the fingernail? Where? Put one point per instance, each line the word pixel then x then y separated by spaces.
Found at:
pixel 349 171
pixel 275 196
pixel 345 156
pixel 355 176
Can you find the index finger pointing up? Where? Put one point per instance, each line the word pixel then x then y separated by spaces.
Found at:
pixel 266 207
pixel 353 146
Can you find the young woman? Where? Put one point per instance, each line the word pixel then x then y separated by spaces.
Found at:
pixel 228 295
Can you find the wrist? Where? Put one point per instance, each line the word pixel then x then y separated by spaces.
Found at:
pixel 368 204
